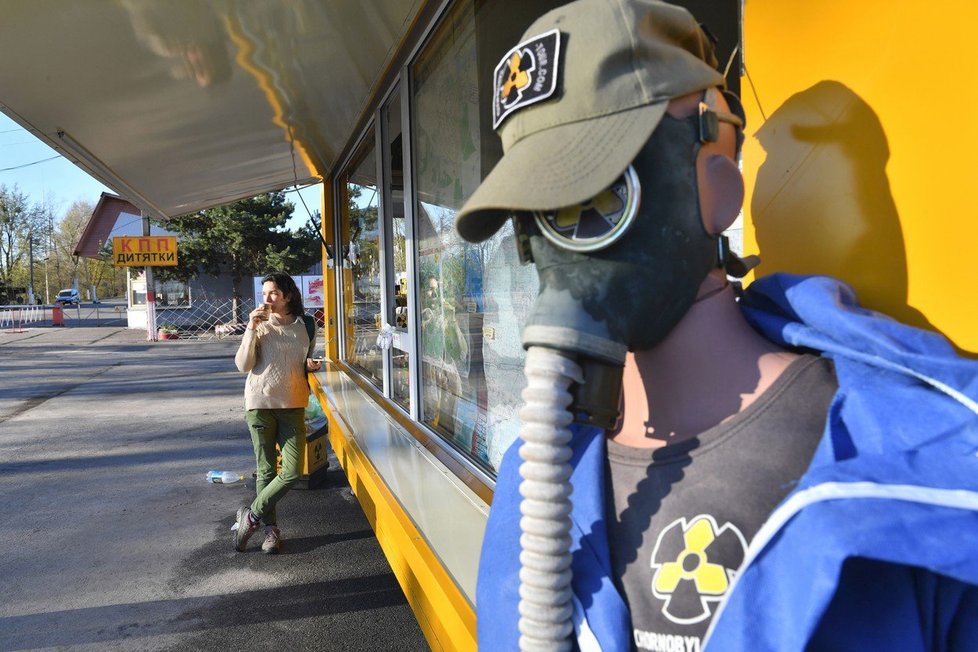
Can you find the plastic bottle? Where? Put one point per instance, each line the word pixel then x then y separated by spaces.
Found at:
pixel 223 477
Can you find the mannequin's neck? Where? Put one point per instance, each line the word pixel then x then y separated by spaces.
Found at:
pixel 711 366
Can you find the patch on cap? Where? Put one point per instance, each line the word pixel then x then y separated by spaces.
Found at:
pixel 526 75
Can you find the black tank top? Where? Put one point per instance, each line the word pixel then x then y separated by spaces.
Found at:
pixel 681 517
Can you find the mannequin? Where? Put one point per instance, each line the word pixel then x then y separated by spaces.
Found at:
pixel 711 367
pixel 778 455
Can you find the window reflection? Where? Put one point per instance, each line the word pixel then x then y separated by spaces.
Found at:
pixel 471 298
pixel 398 306
pixel 474 297
pixel 169 294
pixel 361 268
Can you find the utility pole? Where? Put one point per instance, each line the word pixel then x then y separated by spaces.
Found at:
pixel 30 256
pixel 151 333
pixel 49 248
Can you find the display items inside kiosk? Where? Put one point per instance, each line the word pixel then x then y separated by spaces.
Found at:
pixel 473 297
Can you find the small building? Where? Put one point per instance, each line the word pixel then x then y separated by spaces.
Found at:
pixel 177 301
pixel 114 216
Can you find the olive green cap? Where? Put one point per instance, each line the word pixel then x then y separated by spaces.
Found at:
pixel 596 78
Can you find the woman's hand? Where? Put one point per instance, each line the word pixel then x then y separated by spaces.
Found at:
pixel 313 365
pixel 257 316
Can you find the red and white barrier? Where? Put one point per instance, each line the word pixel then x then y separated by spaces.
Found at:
pixel 15 318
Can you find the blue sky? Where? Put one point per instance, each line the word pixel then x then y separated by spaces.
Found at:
pixel 59 183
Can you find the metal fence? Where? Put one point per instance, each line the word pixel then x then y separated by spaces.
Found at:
pixel 17 318
pixel 204 319
pixel 98 314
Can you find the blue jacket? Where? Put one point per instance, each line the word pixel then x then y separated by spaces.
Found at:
pixel 877 546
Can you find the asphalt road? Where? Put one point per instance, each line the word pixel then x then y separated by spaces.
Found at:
pixel 112 538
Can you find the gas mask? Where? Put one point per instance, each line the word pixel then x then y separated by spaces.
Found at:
pixel 619 271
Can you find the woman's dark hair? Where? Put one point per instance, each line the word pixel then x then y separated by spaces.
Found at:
pixel 288 287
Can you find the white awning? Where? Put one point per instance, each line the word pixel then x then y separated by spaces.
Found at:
pixel 187 104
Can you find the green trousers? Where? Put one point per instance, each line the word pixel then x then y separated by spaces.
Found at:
pixel 287 429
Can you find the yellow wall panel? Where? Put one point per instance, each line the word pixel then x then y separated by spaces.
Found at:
pixel 860 156
pixel 331 312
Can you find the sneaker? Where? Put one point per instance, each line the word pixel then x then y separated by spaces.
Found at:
pixel 273 540
pixel 244 526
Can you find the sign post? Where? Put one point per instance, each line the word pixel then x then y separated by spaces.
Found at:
pixel 146 251
pixel 151 333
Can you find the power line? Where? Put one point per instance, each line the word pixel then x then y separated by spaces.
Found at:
pixel 25 165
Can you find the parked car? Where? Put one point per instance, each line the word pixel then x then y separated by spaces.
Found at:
pixel 67 297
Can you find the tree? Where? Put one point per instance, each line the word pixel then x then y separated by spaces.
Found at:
pixel 98 272
pixel 245 238
pixel 363 250
pixel 21 228
pixel 64 239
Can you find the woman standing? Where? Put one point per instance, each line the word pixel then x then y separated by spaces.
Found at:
pixel 276 352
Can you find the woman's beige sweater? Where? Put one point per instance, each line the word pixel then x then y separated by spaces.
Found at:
pixel 274 355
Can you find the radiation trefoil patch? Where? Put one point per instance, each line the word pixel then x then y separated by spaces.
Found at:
pixel 694 563
pixel 525 75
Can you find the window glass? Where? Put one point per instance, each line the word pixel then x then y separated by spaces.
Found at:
pixel 398 306
pixel 361 265
pixel 171 293
pixel 474 298
pixel 168 293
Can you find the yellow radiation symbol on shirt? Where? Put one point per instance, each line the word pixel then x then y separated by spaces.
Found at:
pixel 694 563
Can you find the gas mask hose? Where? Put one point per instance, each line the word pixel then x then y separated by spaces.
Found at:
pixel 545 579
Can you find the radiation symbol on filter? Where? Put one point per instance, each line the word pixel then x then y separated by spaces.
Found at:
pixel 596 223
pixel 693 566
